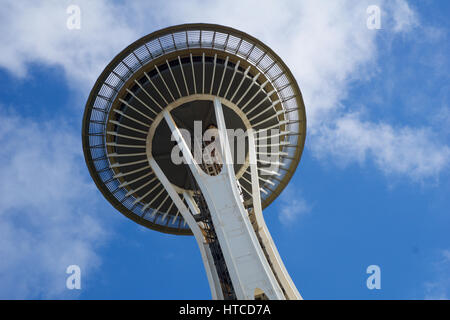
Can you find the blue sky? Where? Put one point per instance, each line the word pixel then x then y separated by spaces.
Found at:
pixel 371 189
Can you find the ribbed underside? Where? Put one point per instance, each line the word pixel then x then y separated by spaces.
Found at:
pixel 180 62
pixel 167 84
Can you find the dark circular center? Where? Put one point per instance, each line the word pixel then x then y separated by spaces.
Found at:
pixel 195 118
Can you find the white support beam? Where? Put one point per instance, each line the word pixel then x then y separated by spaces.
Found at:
pixel 270 249
pixel 119 124
pixel 155 87
pixel 113 144
pixel 184 78
pixel 135 109
pixel 203 73
pixel 261 88
pixel 279 134
pixel 122 174
pixel 189 219
pixel 147 193
pixel 126 183
pixel 223 74
pixel 213 74
pixel 117 165
pixel 191 203
pixel 277 125
pixel 153 200
pixel 164 82
pixel 236 67
pixel 269 118
pixel 255 78
pixel 123 114
pixel 140 187
pixel 141 102
pixel 247 265
pixel 193 73
pixel 115 155
pixel 272 106
pixel 240 83
pixel 113 133
pixel 148 94
pixel 173 78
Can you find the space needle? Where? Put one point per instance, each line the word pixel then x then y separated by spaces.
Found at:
pixel 144 130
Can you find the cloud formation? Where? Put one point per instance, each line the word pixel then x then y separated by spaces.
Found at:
pixel 47 217
pixel 326 44
pixel 37 33
pixel 403 150
pixel 292 206
pixel 439 288
pixel 45 227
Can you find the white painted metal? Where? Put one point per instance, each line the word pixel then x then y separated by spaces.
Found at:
pixel 121 174
pixel 277 125
pixel 113 133
pixel 193 74
pixel 264 111
pixel 279 134
pixel 141 102
pixel 213 74
pixel 173 78
pixel 182 73
pixel 154 199
pixel 155 87
pixel 251 257
pixel 260 227
pixel 131 118
pixel 236 67
pixel 118 155
pixel 189 219
pixel 135 180
pixel 245 259
pixel 255 78
pixel 148 94
pixel 240 83
pixel 119 124
pixel 147 193
pixel 113 144
pixel 203 73
pixel 160 206
pixel 140 187
pixel 135 109
pixel 164 82
pixel 117 165
pixel 267 119
pixel 261 88
pixel 223 74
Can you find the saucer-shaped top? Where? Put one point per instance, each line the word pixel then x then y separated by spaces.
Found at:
pixel 181 69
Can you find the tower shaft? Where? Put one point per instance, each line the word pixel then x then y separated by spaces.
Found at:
pixel 239 255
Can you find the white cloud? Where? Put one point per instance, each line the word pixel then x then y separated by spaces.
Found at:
pixel 292 206
pixel 404 18
pixel 439 288
pixel 446 256
pixel 47 209
pixel 409 151
pixel 36 32
pixel 44 227
pixel 326 44
pixel 328 47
